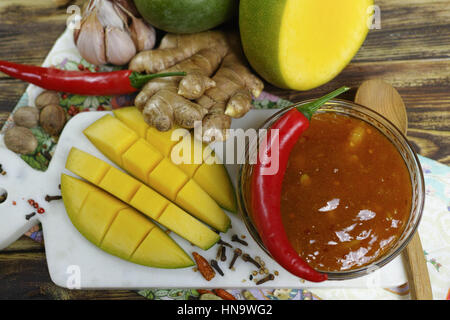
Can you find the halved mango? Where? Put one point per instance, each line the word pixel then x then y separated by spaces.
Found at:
pixel 117 228
pixel 165 177
pixel 141 197
pixel 302 44
pixel 214 178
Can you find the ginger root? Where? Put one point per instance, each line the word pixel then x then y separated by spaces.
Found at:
pixel 231 97
pixel 197 97
pixel 175 48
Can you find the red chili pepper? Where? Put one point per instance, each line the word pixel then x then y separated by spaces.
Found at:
pixel 266 188
pixel 81 82
pixel 225 295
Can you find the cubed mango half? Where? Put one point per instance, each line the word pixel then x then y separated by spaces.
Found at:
pixel 117 228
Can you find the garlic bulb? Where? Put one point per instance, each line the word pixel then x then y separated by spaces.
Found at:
pixel 109 33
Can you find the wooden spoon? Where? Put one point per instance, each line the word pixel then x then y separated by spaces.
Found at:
pixel 383 98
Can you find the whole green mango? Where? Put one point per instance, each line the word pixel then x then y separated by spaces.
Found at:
pixel 186 16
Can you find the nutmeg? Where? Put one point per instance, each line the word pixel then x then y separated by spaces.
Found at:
pixel 52 119
pixel 46 98
pixel 27 117
pixel 20 140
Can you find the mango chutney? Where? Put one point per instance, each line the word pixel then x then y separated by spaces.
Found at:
pixel 346 194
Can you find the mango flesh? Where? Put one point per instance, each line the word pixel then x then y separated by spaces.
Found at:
pixel 119 229
pixel 139 196
pixel 163 176
pixel 302 44
pixel 213 178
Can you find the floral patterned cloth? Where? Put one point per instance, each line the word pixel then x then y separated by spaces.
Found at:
pixel 434 229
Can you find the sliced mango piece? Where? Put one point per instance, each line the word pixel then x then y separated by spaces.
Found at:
pixel 165 171
pixel 149 202
pixel 159 250
pixel 141 197
pixel 175 216
pixel 207 176
pixel 216 182
pixel 166 177
pixel 96 216
pixel 71 186
pixel 126 233
pixel 145 151
pixel 133 118
pixel 124 187
pixel 189 153
pixel 112 143
pixel 162 140
pixel 118 229
pixel 191 191
pixel 96 170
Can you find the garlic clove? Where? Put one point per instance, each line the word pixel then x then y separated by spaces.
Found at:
pixel 129 6
pixel 91 40
pixel 109 15
pixel 120 48
pixel 143 35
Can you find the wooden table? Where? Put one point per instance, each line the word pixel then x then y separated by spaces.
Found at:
pixel 411 51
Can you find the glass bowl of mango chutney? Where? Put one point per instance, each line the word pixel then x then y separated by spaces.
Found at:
pixel 352 194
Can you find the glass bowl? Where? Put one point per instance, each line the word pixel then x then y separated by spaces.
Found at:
pixel 397 139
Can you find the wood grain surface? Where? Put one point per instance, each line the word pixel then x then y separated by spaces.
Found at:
pixel 411 51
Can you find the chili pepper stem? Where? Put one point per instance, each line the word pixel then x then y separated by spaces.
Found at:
pixel 310 108
pixel 138 80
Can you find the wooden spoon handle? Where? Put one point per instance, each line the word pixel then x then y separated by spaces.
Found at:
pixel 383 98
pixel 417 271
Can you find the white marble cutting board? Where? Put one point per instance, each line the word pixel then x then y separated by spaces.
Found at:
pixel 73 260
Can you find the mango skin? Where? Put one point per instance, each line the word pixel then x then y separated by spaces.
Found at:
pixel 186 16
pixel 302 44
pixel 117 228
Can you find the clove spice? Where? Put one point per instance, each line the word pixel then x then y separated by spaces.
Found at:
pixel 235 238
pixel 224 243
pixel 216 267
pixel 237 253
pixel 265 279
pixel 246 257
pixel 29 216
pixel 223 255
pixel 51 198
pixel 219 253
